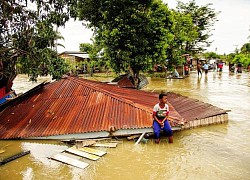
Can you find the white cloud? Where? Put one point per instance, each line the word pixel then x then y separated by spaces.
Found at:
pixel 74 34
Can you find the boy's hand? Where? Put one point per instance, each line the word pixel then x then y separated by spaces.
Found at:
pixel 162 124
pixel 171 123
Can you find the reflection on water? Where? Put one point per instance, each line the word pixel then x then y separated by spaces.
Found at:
pixel 22 84
pixel 213 152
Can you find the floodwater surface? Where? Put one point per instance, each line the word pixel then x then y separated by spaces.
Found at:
pixel 213 152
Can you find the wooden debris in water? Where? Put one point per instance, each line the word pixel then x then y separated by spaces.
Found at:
pixel 140 138
pixel 70 161
pixel 14 157
pixel 85 143
pixel 92 151
pixel 110 145
pixel 82 154
pixel 133 137
pixel 2 149
pixel 80 142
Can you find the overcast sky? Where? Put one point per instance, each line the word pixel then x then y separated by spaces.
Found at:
pixel 230 32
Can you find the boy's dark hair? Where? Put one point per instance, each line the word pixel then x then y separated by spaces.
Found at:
pixel 162 95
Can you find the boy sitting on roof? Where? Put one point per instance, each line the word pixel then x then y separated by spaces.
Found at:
pixel 160 119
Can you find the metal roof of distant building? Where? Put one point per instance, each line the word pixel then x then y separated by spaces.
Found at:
pixel 85 56
pixel 72 52
pixel 80 54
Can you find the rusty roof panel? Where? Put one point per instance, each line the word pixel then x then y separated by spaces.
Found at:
pixel 73 105
pixel 191 109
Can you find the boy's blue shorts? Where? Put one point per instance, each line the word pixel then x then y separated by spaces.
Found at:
pixel 157 129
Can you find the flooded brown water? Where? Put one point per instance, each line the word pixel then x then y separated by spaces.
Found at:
pixel 213 152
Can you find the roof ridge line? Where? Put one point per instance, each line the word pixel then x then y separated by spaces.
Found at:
pixel 113 94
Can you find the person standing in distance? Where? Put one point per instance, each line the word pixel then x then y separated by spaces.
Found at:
pixel 199 69
pixel 160 119
pixel 205 66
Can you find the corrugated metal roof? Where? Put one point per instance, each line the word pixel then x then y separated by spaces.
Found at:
pixel 191 109
pixel 73 106
pixel 84 56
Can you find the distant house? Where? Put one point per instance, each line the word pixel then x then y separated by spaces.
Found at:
pixel 74 56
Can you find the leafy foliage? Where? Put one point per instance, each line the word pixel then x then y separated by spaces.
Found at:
pixel 95 55
pixel 137 34
pixel 242 58
pixel 211 55
pixel 133 33
pixel 203 18
pixel 28 36
pixel 86 47
pixel 245 49
pixel 183 32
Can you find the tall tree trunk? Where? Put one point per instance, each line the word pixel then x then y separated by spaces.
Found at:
pixel 135 76
pixel 7 74
pixel 7 82
pixel 170 57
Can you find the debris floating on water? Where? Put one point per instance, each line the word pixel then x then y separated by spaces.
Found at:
pixel 14 157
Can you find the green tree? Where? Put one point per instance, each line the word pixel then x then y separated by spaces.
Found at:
pixel 27 38
pixel 183 32
pixel 242 58
pixel 211 55
pixel 86 47
pixel 133 33
pixel 204 18
pixel 94 51
pixel 245 49
pixel 229 58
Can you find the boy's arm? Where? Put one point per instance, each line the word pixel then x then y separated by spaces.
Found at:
pixel 155 118
pixel 154 114
pixel 166 118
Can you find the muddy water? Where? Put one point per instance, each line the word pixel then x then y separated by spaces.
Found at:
pixel 213 152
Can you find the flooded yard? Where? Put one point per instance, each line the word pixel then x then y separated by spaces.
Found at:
pixel 213 152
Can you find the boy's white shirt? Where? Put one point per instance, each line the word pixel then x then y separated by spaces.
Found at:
pixel 157 107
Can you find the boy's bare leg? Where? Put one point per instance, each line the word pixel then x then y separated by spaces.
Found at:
pixel 157 141
pixel 170 139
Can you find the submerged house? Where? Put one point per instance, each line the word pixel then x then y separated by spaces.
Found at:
pixel 79 108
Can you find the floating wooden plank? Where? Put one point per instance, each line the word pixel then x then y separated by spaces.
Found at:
pixel 92 151
pixel 110 145
pixel 79 142
pixel 14 157
pixel 140 138
pixel 86 142
pixel 133 137
pixel 82 154
pixel 70 161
